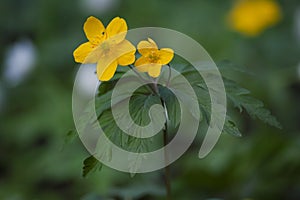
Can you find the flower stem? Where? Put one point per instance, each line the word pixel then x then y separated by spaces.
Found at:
pixel 169 77
pixel 155 89
pixel 133 69
pixel 167 168
pixel 165 141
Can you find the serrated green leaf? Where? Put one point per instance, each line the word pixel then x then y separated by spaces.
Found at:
pixel 143 99
pixel 241 99
pixel 239 96
pixel 139 106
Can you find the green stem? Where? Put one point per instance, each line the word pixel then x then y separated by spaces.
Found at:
pixel 154 89
pixel 165 141
pixel 133 69
pixel 167 168
pixel 155 86
pixel 169 77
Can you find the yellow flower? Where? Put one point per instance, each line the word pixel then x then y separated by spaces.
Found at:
pixel 252 17
pixel 152 58
pixel 106 47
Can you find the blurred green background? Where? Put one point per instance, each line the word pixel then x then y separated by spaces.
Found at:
pixel 36 79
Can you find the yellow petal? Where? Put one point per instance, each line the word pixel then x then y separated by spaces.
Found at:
pixel 126 59
pixel 143 68
pixel 141 61
pixel 145 47
pixel 94 30
pixel 142 64
pixel 153 43
pixel 125 51
pixel 106 69
pixel 125 47
pixel 165 55
pixel 81 53
pixel 116 30
pixel 154 70
pixel 94 56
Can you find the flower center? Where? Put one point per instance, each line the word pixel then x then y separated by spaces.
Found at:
pixel 153 57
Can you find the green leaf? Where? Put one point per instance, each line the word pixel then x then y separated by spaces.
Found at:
pixel 241 99
pixel 225 66
pixel 70 136
pixel 173 108
pixel 180 87
pixel 102 103
pixel 239 96
pixel 139 106
pixel 90 164
pixel 142 100
pixel 231 128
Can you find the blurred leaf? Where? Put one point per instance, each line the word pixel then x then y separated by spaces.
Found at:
pixel 138 191
pixel 90 164
pixel 93 196
pixel 242 100
pixel 69 138
pixel 71 135
pixel 226 66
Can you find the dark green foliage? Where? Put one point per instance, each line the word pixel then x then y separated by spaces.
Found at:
pixel 241 99
pixel 143 99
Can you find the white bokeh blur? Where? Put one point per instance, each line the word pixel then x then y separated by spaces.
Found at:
pixel 97 7
pixel 87 79
pixel 19 61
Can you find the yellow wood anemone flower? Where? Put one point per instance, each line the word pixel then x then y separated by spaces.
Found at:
pixel 252 17
pixel 106 47
pixel 152 59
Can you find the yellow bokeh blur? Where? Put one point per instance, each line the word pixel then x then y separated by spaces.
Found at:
pixel 252 17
